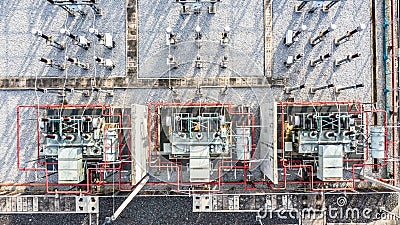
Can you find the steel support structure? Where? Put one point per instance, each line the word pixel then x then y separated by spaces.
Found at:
pixel 89 186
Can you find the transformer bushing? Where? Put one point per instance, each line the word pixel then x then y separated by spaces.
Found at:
pixel 347 59
pixel 325 8
pixel 315 89
pixel 289 90
pixel 293 59
pixel 338 90
pixel 50 62
pixel 320 59
pixel 348 35
pixel 76 62
pixel 49 40
pixel 322 34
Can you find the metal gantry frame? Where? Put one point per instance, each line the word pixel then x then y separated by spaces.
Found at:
pixel 284 163
pixel 88 186
pixel 223 164
pixel 66 5
pixel 287 163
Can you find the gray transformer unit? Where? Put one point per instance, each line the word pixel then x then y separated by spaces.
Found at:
pixel 201 136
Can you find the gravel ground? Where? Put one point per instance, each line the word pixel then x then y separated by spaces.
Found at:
pixel 20 49
pixel 142 210
pixel 122 98
pixel 346 15
pixel 245 53
pixel 178 210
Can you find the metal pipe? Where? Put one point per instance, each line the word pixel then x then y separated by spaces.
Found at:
pixel 50 62
pixel 322 34
pixel 320 59
pixel 354 56
pixel 76 61
pixel 347 59
pixel 337 90
pixel 299 87
pixel 348 35
pixel 359 28
pixel 313 90
pixel 47 61
pixel 49 39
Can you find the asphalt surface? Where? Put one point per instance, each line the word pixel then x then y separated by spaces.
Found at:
pixel 178 210
pixel 142 210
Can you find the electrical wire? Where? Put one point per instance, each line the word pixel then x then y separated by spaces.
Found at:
pixel 66 69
